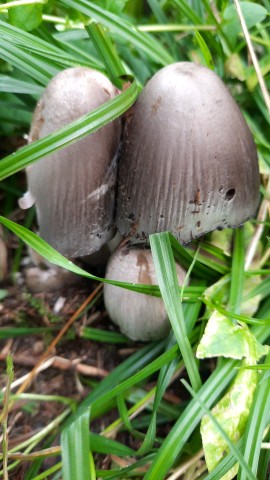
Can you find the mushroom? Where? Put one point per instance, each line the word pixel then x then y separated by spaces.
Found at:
pixel 189 163
pixel 74 189
pixel 138 315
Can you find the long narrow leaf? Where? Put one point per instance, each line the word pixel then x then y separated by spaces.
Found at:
pixel 168 283
pixel 237 274
pixel 106 50
pixel 76 449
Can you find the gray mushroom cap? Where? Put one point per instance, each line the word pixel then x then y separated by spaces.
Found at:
pixel 139 316
pixel 74 189
pixel 189 163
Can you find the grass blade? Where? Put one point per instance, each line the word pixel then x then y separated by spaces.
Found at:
pixel 106 51
pixel 237 274
pixel 62 138
pixel 168 284
pixel 124 29
pixel 76 449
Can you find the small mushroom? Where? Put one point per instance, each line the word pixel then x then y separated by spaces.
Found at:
pixel 74 189
pixel 138 315
pixel 189 163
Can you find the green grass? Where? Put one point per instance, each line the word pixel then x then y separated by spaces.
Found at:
pixel 129 41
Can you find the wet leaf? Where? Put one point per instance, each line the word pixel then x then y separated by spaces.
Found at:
pixel 225 338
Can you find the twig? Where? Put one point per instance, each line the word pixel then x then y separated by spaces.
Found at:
pixel 55 362
pixel 62 332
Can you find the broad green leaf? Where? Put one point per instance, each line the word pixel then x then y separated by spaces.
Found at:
pixel 252 12
pixel 225 338
pixel 26 17
pixel 232 414
pixel 75 446
pixel 225 437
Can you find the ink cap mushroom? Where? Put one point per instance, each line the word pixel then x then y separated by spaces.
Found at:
pixel 138 315
pixel 189 163
pixel 74 188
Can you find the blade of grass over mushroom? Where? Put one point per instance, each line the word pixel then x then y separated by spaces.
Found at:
pixel 50 254
pixel 233 448
pixel 69 134
pixel 107 52
pixel 167 279
pixel 190 418
pixel 237 272
pixel 75 449
pixel 124 29
pixel 257 424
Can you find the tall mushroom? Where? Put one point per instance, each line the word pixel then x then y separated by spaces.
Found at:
pixel 74 189
pixel 189 163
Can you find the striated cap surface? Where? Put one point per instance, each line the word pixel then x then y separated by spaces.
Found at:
pixel 74 189
pixel 189 163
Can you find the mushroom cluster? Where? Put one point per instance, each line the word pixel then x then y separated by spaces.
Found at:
pixel 188 165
